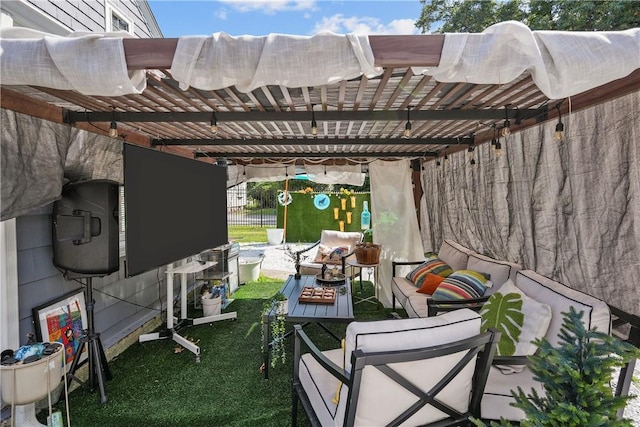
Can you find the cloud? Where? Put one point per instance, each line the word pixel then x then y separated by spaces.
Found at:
pixel 221 14
pixel 270 7
pixel 341 24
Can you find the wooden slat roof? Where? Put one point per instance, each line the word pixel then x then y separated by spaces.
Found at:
pixel 357 119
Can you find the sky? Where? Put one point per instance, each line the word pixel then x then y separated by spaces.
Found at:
pixel 300 17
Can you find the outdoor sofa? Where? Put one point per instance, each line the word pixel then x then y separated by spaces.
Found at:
pixel 544 302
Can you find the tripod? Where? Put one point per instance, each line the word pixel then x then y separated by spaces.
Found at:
pixel 98 367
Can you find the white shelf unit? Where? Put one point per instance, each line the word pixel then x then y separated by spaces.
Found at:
pixel 173 323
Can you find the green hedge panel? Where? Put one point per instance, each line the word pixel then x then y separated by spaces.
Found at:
pixel 305 222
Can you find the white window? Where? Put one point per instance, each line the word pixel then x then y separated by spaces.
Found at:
pixel 116 20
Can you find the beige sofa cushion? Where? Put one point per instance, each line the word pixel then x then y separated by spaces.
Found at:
pixel 499 271
pixel 497 394
pixel 454 254
pixel 560 298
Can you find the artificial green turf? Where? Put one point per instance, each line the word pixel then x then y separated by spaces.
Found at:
pixel 154 386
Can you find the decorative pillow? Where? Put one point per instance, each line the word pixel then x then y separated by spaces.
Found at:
pixel 462 284
pixel 430 283
pixel 327 254
pixel 434 266
pixel 521 320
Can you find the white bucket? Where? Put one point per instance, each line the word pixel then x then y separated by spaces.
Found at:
pixel 249 269
pixel 211 306
pixel 32 381
pixel 275 235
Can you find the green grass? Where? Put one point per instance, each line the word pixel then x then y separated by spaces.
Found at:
pixel 248 234
pixel 153 385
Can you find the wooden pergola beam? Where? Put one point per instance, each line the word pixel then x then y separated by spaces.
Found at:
pixel 388 51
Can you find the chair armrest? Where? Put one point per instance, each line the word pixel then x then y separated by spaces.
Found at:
pixel 333 369
pixel 343 258
pixel 307 248
pixel 396 263
pixel 511 360
pixel 440 306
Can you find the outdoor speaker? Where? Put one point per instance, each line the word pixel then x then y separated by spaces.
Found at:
pixel 85 229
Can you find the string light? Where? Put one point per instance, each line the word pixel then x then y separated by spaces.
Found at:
pixel 506 128
pixel 214 123
pixel 498 149
pixel 113 127
pixel 407 127
pixel 314 125
pixel 558 135
pixel 470 151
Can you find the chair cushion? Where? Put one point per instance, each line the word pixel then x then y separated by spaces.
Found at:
pixel 320 386
pixel 560 298
pixel 454 254
pixel 520 319
pixel 410 333
pixel 375 405
pixel 415 304
pixel 462 284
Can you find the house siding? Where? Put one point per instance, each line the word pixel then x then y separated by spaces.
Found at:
pixel 122 305
pixel 91 15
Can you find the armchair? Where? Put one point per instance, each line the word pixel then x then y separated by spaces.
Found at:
pixel 329 240
pixel 422 371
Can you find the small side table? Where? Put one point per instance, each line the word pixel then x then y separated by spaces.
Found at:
pixel 374 298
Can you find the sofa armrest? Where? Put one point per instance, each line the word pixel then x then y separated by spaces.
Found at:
pixel 302 338
pixel 434 307
pixel 396 263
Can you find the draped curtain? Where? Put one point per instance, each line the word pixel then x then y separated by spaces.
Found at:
pixel 569 210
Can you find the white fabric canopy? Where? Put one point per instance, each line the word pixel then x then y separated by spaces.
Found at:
pixel 561 63
pixel 249 62
pixel 393 219
pixel 336 174
pixel 90 63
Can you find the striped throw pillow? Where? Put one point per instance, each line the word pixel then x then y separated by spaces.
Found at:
pixel 433 266
pixel 462 284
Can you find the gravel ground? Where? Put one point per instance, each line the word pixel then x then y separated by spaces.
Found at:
pixel 278 264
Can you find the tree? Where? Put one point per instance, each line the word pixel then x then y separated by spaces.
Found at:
pixel 440 16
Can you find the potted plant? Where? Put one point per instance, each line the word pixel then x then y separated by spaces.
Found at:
pixel 575 377
pixel 275 310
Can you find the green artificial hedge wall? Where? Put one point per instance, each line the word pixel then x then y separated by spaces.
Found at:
pixel 305 222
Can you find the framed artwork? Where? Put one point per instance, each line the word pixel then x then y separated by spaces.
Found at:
pixel 63 320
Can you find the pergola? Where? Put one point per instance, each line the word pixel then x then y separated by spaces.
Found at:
pixel 356 119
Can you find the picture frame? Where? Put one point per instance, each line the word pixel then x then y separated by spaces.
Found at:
pixel 63 320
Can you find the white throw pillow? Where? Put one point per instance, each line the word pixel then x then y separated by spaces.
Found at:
pixel 536 320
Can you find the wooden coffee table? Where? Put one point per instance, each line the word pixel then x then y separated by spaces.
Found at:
pixel 340 311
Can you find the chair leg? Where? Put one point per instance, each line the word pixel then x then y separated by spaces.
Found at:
pixel 294 409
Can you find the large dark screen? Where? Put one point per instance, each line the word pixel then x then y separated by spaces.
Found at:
pixel 175 207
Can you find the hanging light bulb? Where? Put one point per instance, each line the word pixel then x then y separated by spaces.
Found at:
pixel 407 127
pixel 214 123
pixel 244 170
pixel 473 163
pixel 470 151
pixel 498 149
pixel 438 162
pixel 558 135
pixel 314 125
pixel 506 127
pixel 446 158
pixel 113 129
pixel 325 169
